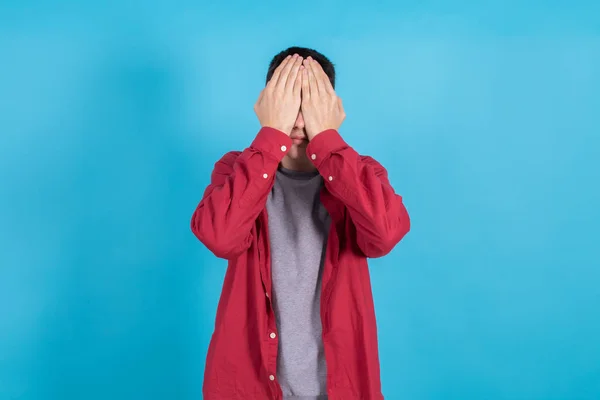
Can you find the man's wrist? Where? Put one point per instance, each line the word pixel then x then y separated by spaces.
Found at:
pixel 272 141
pixel 324 144
pixel 286 130
pixel 318 132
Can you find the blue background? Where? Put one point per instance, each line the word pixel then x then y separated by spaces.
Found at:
pixel 486 114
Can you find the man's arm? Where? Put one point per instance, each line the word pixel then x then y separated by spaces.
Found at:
pixel 361 183
pixel 237 193
pixel 241 182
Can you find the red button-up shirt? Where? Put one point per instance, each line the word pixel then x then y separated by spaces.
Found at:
pixel 368 220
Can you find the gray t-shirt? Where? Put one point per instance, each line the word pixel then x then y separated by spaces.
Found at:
pixel 298 230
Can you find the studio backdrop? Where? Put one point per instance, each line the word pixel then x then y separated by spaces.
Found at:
pixel 486 116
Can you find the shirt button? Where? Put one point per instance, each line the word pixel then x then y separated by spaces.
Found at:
pixel 330 178
pixel 313 156
pixel 265 176
pixel 283 148
pixel 272 335
pixel 271 377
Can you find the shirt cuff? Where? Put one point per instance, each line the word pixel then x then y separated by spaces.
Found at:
pixel 273 142
pixel 322 145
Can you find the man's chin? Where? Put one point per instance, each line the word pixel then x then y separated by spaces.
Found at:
pixel 297 152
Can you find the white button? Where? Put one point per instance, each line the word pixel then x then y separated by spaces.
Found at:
pixel 265 176
pixel 272 335
pixel 266 294
pixel 283 148
pixel 271 377
pixel 330 178
pixel 313 156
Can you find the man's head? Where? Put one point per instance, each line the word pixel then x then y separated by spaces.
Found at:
pixel 298 134
pixel 304 53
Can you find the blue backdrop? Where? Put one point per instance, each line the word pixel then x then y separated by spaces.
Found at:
pixel 487 117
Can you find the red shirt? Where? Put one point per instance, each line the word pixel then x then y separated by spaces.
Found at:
pixel 368 220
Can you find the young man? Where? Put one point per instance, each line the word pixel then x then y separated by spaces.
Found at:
pixel 297 214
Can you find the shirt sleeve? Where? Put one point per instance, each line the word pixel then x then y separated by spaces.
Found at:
pixel 362 184
pixel 237 193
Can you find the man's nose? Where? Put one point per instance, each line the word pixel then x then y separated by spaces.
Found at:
pixel 299 121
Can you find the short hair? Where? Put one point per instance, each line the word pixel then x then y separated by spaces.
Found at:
pixel 303 52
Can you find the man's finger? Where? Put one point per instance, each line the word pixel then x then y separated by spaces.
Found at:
pixel 285 73
pixel 305 85
pixel 291 81
pixel 312 80
pixel 317 76
pixel 327 86
pixel 275 78
pixel 297 89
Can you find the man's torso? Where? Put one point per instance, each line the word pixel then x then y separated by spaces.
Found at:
pixel 298 230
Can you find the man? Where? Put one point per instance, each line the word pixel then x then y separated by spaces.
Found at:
pixel 297 214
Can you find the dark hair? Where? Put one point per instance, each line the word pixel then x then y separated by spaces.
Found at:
pixel 304 53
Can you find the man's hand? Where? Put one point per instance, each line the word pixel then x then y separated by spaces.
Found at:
pixel 321 108
pixel 279 102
